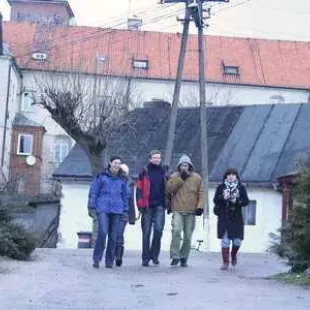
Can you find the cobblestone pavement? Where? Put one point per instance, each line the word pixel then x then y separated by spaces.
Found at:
pixel 64 279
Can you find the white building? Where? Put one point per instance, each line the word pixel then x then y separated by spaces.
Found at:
pixel 9 89
pixel 262 142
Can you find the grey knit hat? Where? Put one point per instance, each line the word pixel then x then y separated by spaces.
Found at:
pixel 185 159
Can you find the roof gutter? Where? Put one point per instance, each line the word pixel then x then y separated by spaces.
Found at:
pixel 1 35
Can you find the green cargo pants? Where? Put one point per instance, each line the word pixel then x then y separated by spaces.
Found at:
pixel 182 223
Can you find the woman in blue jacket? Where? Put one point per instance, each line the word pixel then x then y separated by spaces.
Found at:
pixel 108 197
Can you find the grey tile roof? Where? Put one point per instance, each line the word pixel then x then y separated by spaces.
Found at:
pixel 262 142
pixel 21 120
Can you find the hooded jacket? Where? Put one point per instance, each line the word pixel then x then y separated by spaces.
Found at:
pixel 188 195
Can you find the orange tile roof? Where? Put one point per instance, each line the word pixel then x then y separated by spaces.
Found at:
pixel 261 62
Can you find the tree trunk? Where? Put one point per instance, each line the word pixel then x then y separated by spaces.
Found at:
pixel 95 161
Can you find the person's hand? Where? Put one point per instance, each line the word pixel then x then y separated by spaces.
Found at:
pixel 184 175
pixel 168 210
pixel 199 212
pixel 92 213
pixel 141 210
pixel 226 194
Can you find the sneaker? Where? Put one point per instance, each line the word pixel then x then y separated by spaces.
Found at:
pixel 183 262
pixel 145 263
pixel 96 264
pixel 155 261
pixel 174 262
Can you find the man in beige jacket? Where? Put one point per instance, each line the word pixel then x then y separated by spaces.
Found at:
pixel 186 191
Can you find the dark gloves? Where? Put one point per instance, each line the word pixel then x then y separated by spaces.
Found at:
pixel 92 213
pixel 140 210
pixel 168 210
pixel 184 175
pixel 199 212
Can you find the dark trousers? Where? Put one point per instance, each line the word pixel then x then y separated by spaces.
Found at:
pixel 108 225
pixel 152 218
pixel 121 230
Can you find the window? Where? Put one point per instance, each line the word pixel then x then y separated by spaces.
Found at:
pixel 101 59
pixel 28 101
pixel 61 150
pixel 25 143
pixel 231 70
pixel 140 64
pixel 249 213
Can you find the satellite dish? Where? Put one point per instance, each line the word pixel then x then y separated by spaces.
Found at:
pixel 30 160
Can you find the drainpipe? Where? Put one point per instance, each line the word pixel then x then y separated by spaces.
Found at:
pixel 1 36
pixel 6 114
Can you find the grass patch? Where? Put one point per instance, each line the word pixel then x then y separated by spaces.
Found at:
pixel 299 279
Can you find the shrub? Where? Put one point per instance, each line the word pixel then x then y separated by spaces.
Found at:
pixel 16 242
pixel 293 243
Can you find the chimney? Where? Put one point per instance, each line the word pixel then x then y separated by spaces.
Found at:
pixel 134 23
pixel 1 36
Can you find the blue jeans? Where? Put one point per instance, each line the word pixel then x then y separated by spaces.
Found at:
pixel 225 243
pixel 108 224
pixel 152 217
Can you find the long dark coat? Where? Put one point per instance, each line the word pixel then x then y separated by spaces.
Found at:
pixel 230 214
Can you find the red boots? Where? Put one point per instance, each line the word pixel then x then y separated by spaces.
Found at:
pixel 225 256
pixel 234 251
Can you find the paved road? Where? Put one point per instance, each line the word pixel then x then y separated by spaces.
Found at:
pixel 64 279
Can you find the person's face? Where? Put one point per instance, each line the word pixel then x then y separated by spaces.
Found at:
pixel 231 178
pixel 155 159
pixel 184 167
pixel 115 166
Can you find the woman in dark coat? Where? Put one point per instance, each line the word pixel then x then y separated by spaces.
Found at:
pixel 230 196
pixel 128 216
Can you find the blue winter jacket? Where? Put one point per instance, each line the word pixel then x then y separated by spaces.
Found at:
pixel 109 194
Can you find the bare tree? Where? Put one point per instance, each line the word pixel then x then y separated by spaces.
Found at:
pixel 88 107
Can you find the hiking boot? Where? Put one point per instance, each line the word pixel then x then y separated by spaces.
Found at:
pixel 108 266
pixel 155 261
pixel 174 262
pixel 96 264
pixel 145 263
pixel 183 262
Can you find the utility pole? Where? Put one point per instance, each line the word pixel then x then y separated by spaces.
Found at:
pixel 203 126
pixel 176 93
pixel 194 10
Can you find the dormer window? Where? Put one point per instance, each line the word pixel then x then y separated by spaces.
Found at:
pixel 231 70
pixel 39 56
pixel 101 59
pixel 140 64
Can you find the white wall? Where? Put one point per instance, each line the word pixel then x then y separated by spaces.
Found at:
pixel 218 94
pixel 74 218
pixel 14 89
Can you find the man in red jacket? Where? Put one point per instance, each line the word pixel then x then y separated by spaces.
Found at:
pixel 151 204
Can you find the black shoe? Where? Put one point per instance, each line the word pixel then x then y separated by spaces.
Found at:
pixel 183 262
pixel 96 264
pixel 108 266
pixel 155 261
pixel 145 263
pixel 118 262
pixel 174 262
